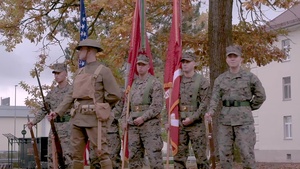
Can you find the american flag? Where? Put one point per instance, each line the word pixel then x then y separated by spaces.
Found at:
pixel 83 29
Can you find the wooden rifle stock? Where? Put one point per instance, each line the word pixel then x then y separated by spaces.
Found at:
pixel 212 158
pixel 46 108
pixel 35 149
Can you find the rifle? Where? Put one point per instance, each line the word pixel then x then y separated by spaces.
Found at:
pixel 212 157
pixel 35 149
pixel 61 162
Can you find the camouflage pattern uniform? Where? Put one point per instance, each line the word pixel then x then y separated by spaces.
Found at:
pixel 240 93
pixel 146 137
pixel 195 132
pixel 113 135
pixel 62 125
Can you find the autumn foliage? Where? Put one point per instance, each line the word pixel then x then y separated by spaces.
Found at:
pixel 51 22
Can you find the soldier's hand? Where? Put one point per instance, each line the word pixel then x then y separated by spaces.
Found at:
pixel 208 116
pixel 30 125
pixel 187 121
pixel 124 126
pixel 52 116
pixel 138 121
pixel 167 127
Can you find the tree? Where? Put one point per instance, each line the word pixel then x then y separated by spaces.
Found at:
pixel 50 22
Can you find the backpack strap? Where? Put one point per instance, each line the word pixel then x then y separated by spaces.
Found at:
pixel 97 71
pixel 195 88
pixel 146 99
pixel 96 74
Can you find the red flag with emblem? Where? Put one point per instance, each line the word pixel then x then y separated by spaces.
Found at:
pixel 136 48
pixel 172 76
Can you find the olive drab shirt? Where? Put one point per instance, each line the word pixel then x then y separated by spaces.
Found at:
pixel 137 94
pixel 53 98
pixel 243 86
pixel 187 91
pixel 106 90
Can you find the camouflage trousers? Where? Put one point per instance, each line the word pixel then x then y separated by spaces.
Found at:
pixel 244 137
pixel 63 131
pixel 114 144
pixel 196 134
pixel 146 137
pixel 79 138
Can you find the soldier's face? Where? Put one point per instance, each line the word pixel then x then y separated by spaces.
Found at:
pixel 142 68
pixel 60 76
pixel 188 66
pixel 234 61
pixel 83 53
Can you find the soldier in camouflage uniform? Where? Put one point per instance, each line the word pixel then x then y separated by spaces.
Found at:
pixel 240 92
pixel 144 130
pixel 93 92
pixel 194 91
pixel 113 135
pixel 62 125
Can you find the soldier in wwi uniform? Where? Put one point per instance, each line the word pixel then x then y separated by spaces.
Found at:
pixel 93 92
pixel 62 125
pixel 240 92
pixel 144 128
pixel 113 137
pixel 193 102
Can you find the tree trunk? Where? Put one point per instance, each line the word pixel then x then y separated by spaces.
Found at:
pixel 219 36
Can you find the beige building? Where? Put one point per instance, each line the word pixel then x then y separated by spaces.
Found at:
pixel 13 120
pixel 278 120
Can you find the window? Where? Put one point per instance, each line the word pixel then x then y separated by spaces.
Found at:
pixel 286 48
pixel 287 120
pixel 286 83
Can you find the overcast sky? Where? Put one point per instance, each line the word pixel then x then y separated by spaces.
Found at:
pixel 15 66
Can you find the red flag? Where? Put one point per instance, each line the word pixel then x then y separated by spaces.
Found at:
pixel 172 76
pixel 134 51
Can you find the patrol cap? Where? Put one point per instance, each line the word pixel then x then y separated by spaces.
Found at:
pixel 142 59
pixel 234 49
pixel 89 43
pixel 59 67
pixel 188 56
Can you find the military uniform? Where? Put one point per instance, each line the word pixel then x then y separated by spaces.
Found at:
pixel 146 101
pixel 62 125
pixel 114 140
pixel 194 99
pixel 240 93
pixel 89 89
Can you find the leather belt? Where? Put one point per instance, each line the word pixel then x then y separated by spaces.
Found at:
pixel 63 119
pixel 139 108
pixel 235 103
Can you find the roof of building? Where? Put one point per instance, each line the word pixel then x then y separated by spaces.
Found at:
pixel 14 111
pixel 287 19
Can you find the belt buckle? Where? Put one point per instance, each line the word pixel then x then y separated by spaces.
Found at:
pixel 231 103
pixel 137 108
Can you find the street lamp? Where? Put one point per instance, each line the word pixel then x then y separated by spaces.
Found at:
pixel 15 120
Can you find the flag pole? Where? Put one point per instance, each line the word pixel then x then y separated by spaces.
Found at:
pixel 169 125
pixel 125 132
pixel 143 27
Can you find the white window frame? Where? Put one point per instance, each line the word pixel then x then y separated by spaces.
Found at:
pixel 287 128
pixel 286 48
pixel 286 88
